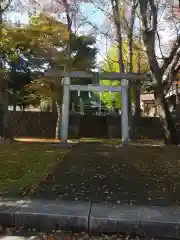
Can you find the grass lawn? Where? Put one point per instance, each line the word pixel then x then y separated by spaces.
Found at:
pixel 137 174
pixel 97 171
pixel 23 165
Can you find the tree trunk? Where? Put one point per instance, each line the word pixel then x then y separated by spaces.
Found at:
pixel 130 69
pixel 14 99
pixel 170 134
pixel 21 108
pixel 136 92
pixel 14 107
pixel 3 102
pixel 1 79
pixel 54 108
pixel 137 85
pixel 3 88
pixel 137 113
pixel 117 20
pixel 58 121
pixel 3 110
pixel 149 38
pixel 177 102
pixel 130 29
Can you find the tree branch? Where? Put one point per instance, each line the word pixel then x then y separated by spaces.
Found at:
pixel 117 20
pixel 172 73
pixel 149 36
pixel 169 59
pixel 143 10
pixel 159 42
pixel 7 5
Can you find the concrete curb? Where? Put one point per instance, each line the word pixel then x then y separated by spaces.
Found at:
pixel 153 221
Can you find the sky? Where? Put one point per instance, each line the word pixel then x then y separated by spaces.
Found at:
pixel 92 14
pixel 97 18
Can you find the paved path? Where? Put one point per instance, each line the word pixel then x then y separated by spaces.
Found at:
pixel 92 171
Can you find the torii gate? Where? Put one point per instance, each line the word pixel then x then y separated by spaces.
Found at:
pixel 124 78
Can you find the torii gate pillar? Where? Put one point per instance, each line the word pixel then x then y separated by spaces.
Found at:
pixel 124 112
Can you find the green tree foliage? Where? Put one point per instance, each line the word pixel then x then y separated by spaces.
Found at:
pixel 111 65
pixel 42 45
pixel 54 53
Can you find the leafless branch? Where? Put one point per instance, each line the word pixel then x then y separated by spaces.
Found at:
pixel 149 34
pixel 173 71
pixel 2 10
pixel 159 42
pixel 171 56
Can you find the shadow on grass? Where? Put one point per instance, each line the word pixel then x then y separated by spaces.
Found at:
pixel 101 172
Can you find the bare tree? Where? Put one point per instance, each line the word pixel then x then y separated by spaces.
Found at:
pixel 165 66
pixel 149 15
pixel 117 21
pixel 130 8
pixel 122 14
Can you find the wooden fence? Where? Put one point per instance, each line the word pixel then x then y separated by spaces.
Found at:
pixel 43 124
